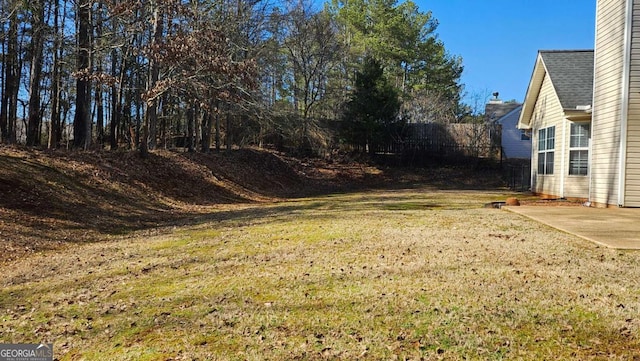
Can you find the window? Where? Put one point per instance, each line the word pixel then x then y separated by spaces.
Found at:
pixel 579 149
pixel 546 146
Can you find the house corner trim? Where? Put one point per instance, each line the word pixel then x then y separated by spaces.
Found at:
pixel 626 71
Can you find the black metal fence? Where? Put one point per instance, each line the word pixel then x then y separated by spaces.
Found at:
pixel 518 175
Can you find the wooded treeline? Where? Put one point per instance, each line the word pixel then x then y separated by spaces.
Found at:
pixel 207 74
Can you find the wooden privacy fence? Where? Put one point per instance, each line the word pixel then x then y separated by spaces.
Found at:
pixel 446 142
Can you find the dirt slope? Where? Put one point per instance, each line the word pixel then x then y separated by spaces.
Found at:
pixel 50 199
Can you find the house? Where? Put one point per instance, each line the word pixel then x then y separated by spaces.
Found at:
pixel 557 112
pixel 615 140
pixel 516 143
pixel 586 135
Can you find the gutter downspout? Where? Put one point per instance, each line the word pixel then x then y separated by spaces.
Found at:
pixel 626 71
pixel 593 110
pixel 564 157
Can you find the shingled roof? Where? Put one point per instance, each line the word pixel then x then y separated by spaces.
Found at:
pixel 495 110
pixel 571 72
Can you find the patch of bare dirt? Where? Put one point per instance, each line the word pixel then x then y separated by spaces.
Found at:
pixel 53 199
pixel 534 201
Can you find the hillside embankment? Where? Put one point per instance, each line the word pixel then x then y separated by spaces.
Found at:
pixel 55 199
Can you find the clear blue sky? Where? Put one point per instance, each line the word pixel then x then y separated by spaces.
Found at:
pixel 498 40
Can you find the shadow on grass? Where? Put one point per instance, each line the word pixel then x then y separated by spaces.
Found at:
pixel 53 198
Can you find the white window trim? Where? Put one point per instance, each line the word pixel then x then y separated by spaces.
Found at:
pixel 584 148
pixel 546 151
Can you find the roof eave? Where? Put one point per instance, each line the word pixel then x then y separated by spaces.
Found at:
pixel 578 115
pixel 533 90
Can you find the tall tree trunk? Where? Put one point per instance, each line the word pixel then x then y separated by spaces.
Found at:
pixel 98 89
pixel 218 126
pixel 191 120
pixel 151 112
pixel 63 130
pixel 55 128
pixel 99 115
pixel 37 44
pixel 207 127
pixel 139 115
pixel 63 106
pixel 196 127
pixel 127 128
pixel 12 119
pixel 163 120
pixel 115 127
pixel 8 109
pixel 228 130
pixel 115 105
pixel 82 120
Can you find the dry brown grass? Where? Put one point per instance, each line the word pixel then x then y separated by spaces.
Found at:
pixel 56 199
pixel 403 274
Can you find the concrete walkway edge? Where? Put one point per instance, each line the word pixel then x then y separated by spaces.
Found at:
pixel 617 228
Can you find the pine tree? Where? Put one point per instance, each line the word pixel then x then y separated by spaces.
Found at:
pixel 371 115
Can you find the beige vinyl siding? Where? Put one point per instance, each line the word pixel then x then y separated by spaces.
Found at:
pixel 576 187
pixel 632 176
pixel 607 101
pixel 547 113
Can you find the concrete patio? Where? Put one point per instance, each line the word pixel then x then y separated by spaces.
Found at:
pixel 617 228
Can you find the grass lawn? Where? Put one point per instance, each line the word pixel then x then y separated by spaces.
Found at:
pixel 405 274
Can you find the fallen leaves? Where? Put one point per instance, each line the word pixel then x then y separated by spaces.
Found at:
pixel 343 276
